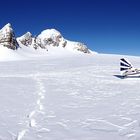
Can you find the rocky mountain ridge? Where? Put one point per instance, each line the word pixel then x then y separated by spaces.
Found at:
pixel 46 39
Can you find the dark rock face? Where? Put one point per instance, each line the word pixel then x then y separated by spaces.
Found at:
pixel 37 43
pixel 26 39
pixel 7 37
pixel 82 47
pixel 64 43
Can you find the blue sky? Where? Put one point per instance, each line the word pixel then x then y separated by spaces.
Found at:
pixel 106 26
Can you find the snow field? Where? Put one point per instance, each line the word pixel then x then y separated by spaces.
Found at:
pixel 70 98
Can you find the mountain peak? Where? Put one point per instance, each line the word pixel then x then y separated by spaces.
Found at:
pixel 26 39
pixel 29 33
pixel 52 33
pixel 7 37
pixel 8 25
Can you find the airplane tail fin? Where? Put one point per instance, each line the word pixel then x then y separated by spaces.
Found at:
pixel 125 65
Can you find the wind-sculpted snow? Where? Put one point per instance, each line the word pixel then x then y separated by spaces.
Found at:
pixel 71 98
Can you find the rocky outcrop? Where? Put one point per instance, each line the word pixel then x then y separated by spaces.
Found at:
pixel 26 39
pixel 81 47
pixel 37 43
pixel 7 37
pixel 51 37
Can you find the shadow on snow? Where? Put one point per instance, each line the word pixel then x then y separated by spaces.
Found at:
pixel 124 77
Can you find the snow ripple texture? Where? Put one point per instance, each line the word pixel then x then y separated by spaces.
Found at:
pixel 74 98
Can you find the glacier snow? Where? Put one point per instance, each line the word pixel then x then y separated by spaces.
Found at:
pixel 68 97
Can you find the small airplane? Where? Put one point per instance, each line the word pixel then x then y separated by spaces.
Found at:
pixel 127 69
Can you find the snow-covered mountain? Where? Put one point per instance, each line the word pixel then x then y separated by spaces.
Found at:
pixel 47 39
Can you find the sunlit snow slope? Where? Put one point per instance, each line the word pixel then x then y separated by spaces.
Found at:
pixel 76 97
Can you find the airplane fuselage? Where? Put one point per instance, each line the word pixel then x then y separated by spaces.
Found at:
pixel 131 72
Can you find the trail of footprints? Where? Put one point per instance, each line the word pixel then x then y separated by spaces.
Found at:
pixel 39 108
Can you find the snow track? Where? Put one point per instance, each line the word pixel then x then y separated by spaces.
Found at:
pixel 38 109
pixel 39 105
